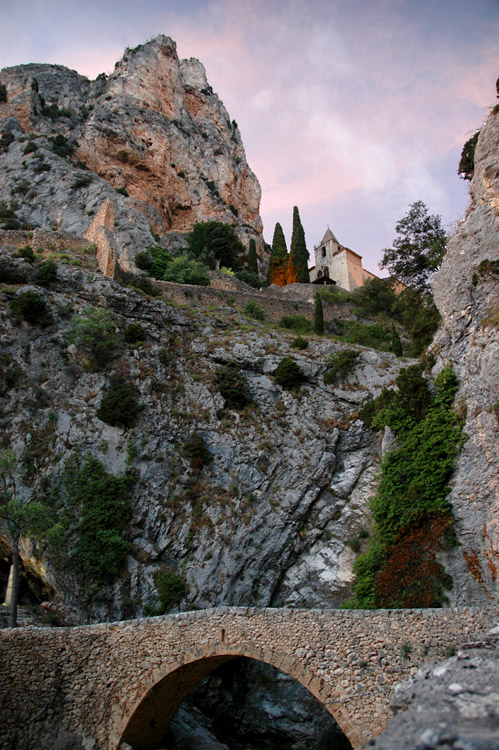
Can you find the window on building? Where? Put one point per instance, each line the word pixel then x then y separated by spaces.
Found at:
pixel 323 252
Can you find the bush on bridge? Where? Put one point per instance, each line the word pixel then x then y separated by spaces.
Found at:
pixel 413 517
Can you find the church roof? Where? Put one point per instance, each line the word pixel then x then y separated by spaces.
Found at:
pixel 329 236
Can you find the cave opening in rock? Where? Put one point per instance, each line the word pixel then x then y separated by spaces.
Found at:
pixel 232 703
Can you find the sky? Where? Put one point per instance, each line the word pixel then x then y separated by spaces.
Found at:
pixel 349 109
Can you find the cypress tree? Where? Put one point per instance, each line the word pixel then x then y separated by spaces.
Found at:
pixel 396 346
pixel 252 260
pixel 278 264
pixel 298 254
pixel 318 315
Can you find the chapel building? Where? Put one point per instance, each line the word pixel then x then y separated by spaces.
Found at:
pixel 336 264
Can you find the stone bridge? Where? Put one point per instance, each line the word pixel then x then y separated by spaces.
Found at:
pixel 121 683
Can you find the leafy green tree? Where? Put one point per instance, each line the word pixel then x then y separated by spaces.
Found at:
pixel 298 253
pixel 375 297
pixel 19 517
pixel 252 259
pixel 215 243
pixel 418 250
pixel 467 162
pixel 318 315
pixel 278 263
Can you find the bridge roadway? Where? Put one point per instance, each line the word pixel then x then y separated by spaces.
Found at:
pixel 123 682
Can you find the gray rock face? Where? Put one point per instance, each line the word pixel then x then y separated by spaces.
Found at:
pixel 467 295
pixel 268 521
pixel 453 705
pixel 153 129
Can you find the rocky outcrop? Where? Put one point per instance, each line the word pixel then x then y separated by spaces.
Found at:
pixel 451 705
pixel 467 293
pixel 154 130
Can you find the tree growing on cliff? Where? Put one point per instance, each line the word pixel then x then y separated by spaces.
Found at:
pixel 298 254
pixel 467 161
pixel 418 250
pixel 278 264
pixel 19 517
pixel 215 243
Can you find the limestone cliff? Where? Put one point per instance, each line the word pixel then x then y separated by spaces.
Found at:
pixel 154 130
pixel 467 293
pixel 268 521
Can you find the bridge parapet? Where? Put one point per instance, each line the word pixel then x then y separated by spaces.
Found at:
pixel 123 682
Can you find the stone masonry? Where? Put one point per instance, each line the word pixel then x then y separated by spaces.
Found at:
pixel 119 684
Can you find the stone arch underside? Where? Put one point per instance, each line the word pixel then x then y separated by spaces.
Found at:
pixel 146 723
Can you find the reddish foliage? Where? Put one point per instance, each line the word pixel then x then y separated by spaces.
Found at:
pixel 412 576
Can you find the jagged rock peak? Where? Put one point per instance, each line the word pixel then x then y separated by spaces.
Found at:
pixel 153 129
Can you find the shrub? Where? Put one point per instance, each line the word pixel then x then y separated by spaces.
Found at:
pixel 232 386
pixel 184 270
pixel 62 147
pixel 93 333
pixel 94 511
pixel 373 336
pixel 42 167
pixel 197 452
pixel 143 261
pixel 122 191
pixel 171 589
pixel 32 308
pixel 296 323
pixel 46 273
pixel 30 148
pixel 288 374
pixel 25 252
pixel 82 182
pixel 3 92
pixel 119 405
pixel 339 365
pixel 134 333
pixel 252 279
pixel 254 311
pixel 299 343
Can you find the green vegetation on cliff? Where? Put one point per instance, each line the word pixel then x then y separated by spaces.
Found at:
pixel 412 515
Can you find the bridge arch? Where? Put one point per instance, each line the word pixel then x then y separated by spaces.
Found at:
pixel 157 699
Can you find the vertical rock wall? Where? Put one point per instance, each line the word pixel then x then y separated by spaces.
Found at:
pixel 467 293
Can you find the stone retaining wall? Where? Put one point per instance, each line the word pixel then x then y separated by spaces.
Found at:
pixel 123 682
pixel 39 239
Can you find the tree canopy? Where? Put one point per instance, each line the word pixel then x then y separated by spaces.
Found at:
pixel 212 242
pixel 418 250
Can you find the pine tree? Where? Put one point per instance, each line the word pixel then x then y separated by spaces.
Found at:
pixel 278 264
pixel 318 315
pixel 252 260
pixel 298 254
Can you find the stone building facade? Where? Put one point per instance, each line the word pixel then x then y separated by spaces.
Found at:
pixel 337 264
